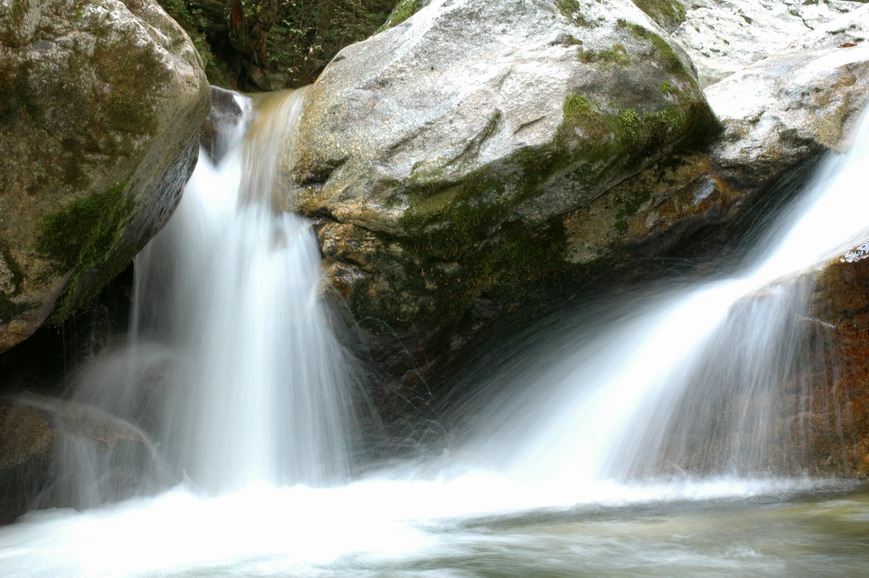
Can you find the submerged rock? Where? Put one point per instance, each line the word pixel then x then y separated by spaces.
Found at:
pixel 100 109
pixel 26 455
pixel 57 453
pixel 441 155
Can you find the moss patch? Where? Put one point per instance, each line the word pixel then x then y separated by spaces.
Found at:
pixel 671 60
pixel 668 14
pixel 571 10
pixel 614 133
pixel 402 11
pixel 81 236
pixel 617 55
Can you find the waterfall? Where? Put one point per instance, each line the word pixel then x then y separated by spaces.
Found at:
pixel 231 365
pixel 703 380
pixel 235 381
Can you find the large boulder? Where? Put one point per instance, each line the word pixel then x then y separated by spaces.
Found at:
pixel 441 155
pixel 779 114
pixel 100 105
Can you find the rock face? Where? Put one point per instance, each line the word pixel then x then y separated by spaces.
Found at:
pixel 441 155
pixel 100 108
pixel 787 108
pixel 724 36
pixel 837 424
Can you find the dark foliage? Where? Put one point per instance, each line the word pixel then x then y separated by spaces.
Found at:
pixel 254 45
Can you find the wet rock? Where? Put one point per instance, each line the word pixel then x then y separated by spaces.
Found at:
pixel 61 454
pixel 219 128
pixel 26 452
pixel 837 421
pixel 101 104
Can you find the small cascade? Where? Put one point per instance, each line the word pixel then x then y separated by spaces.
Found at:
pixel 231 365
pixel 703 381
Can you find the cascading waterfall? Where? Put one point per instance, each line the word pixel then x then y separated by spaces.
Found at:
pixel 563 477
pixel 696 380
pixel 228 331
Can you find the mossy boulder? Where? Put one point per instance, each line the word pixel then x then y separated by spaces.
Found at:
pixel 779 116
pixel 441 155
pixel 100 105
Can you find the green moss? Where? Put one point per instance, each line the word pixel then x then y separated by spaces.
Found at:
pixel 402 11
pixel 667 88
pixel 82 236
pixel 662 47
pixel 668 14
pixel 575 107
pixel 84 231
pixel 581 117
pixel 617 55
pixel 18 8
pixel 614 135
pixel 571 10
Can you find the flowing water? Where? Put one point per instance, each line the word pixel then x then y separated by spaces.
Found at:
pixel 633 446
pixel 228 332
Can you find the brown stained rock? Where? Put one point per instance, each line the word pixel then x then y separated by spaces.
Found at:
pixel 839 420
pixel 652 211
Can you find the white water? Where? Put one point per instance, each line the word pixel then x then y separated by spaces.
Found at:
pixel 229 334
pixel 648 386
pixel 567 447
